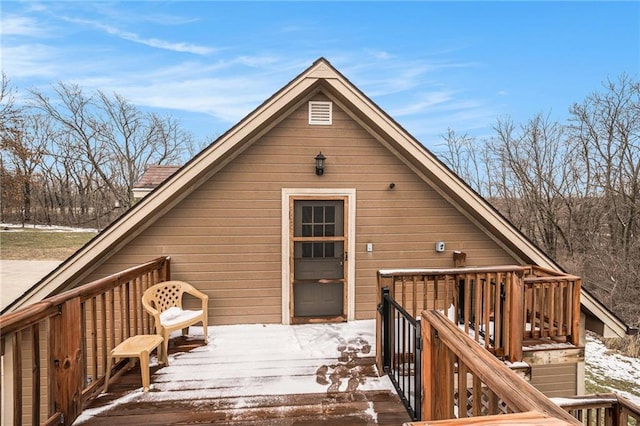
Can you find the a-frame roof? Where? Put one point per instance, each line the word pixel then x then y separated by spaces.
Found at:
pixel 321 76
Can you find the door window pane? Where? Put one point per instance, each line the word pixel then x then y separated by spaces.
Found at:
pixel 307 214
pixel 330 214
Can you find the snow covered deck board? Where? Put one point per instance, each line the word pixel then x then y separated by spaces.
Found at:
pixel 259 374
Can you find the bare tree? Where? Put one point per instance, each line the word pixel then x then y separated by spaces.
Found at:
pixel 9 112
pixel 470 159
pixel 25 144
pixel 606 128
pixel 8 115
pixel 538 180
pixel 115 138
pixel 135 139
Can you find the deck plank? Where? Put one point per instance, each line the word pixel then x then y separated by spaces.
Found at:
pixel 202 386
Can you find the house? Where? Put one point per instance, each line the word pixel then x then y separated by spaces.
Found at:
pixel 289 215
pixel 152 177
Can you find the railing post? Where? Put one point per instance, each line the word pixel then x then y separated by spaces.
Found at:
pixel 417 362
pixel 429 390
pixel 68 359
pixel 166 270
pixel 442 377
pixel 386 330
pixel 516 320
pixel 379 324
pixel 575 314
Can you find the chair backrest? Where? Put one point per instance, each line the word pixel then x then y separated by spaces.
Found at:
pixel 165 295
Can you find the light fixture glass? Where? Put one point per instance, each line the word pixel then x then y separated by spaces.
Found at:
pixel 320 164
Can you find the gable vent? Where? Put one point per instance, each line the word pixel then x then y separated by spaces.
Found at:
pixel 320 113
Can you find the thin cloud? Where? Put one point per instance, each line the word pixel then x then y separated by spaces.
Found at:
pixel 22 26
pixel 427 101
pixel 30 60
pixel 151 42
pixel 218 90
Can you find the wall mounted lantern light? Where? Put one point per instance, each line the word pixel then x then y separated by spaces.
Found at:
pixel 320 164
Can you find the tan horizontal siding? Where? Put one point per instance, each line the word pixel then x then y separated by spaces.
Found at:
pixel 555 380
pixel 225 237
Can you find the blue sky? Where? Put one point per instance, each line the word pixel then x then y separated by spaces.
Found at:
pixel 430 65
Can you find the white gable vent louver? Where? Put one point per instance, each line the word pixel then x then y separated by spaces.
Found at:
pixel 320 113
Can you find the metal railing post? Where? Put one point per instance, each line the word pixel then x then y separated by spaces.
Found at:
pixel 417 405
pixel 386 330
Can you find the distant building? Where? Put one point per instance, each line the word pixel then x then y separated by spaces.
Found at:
pixel 152 177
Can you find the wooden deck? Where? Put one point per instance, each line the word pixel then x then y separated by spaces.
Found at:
pixel 236 382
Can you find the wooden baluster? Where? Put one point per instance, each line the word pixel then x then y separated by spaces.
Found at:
pixel 104 334
pixel 462 390
pixel 467 302
pixel 127 308
pixel 553 329
pixel 425 288
pixel 562 303
pixel 477 396
pixel 35 374
pixel 83 345
pixel 543 310
pixel 448 297
pixel 134 295
pixel 436 291
pixel 414 295
pixel 17 378
pixel 112 314
pixel 94 336
pixel 477 305
pixel 404 292
pixel 497 316
pixel 486 308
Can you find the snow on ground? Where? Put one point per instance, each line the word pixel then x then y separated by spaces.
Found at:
pixel 13 227
pixel 610 365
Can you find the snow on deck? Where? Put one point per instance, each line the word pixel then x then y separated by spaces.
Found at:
pixel 266 360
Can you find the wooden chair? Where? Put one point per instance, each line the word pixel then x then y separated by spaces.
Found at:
pixel 164 302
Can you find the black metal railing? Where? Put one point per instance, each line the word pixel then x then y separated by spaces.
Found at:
pixel 401 348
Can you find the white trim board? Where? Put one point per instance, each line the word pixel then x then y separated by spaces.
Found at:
pixel 350 193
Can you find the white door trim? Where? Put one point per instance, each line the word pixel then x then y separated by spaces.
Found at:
pixel 350 193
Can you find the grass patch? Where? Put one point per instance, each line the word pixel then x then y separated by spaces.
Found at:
pixel 33 244
pixel 627 345
pixel 600 383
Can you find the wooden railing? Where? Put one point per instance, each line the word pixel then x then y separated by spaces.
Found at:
pixel 486 302
pixel 552 305
pixel 461 379
pixel 601 410
pixel 498 306
pixel 54 352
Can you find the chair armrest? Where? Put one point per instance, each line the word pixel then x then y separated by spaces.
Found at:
pixel 196 293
